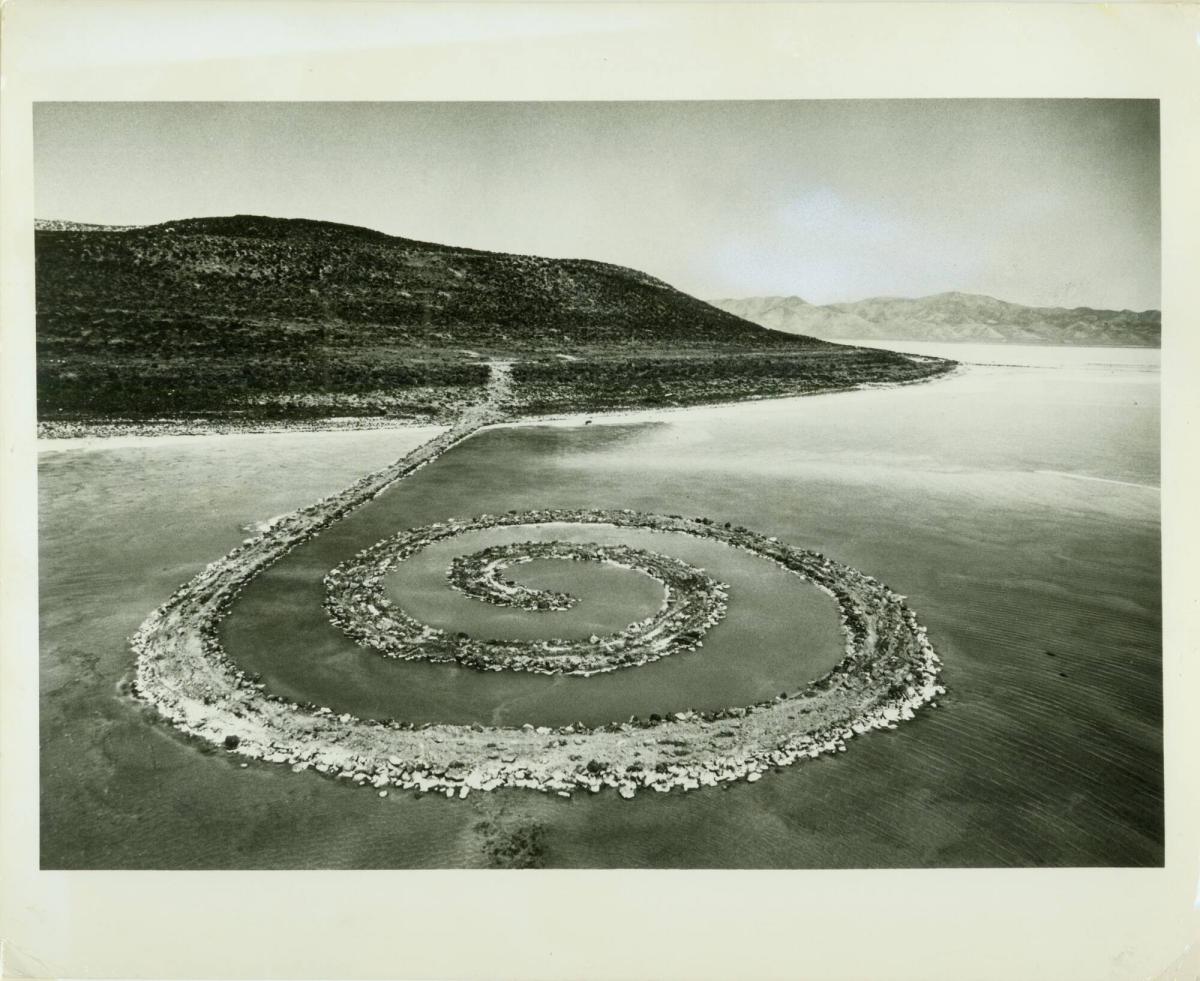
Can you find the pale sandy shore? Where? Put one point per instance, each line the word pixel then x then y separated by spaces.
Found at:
pixel 120 439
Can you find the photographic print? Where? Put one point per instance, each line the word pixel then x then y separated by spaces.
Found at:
pixel 650 484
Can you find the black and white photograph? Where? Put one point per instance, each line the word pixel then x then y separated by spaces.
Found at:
pixel 556 490
pixel 712 484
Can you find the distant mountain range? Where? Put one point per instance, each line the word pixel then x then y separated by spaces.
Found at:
pixel 950 317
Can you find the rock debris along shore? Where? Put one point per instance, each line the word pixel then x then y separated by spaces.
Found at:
pixel 889 670
pixel 117 429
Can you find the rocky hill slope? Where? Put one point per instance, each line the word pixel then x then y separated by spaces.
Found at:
pixel 247 282
pixel 951 317
pixel 256 316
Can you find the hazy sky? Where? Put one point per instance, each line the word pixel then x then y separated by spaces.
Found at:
pixel 1045 202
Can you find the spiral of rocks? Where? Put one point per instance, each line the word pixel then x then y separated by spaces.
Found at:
pixel 356 601
pixel 889 669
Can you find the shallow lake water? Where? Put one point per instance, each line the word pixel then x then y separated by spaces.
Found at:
pixel 779 633
pixel 1015 503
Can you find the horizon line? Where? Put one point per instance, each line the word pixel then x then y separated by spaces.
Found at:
pixel 705 299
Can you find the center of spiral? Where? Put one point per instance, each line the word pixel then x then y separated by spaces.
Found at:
pixel 480 575
pixel 692 603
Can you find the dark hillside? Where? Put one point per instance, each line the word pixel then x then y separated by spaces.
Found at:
pixel 253 318
pixel 245 283
pixel 551 385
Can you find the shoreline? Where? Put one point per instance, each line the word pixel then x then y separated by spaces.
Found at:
pixel 110 435
pixel 890 670
pixel 635 414
pixel 95 444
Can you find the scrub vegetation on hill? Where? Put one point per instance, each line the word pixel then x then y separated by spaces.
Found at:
pixel 252 318
pixel 551 385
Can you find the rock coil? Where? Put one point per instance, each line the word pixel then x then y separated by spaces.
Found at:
pixel 356 601
pixel 889 669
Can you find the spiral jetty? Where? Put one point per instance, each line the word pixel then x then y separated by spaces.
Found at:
pixel 889 670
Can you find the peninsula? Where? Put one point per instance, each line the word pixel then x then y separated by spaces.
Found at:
pixel 249 323
pixel 241 323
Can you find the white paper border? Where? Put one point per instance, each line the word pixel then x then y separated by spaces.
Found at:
pixel 1056 924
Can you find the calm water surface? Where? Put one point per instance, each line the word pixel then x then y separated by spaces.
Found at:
pixel 778 634
pixel 1015 503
